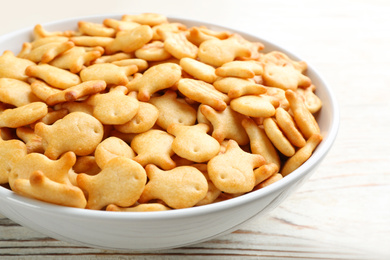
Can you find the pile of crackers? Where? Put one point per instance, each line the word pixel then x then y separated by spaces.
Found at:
pixel 144 114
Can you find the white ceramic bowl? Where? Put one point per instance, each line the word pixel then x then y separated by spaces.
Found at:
pixel 167 229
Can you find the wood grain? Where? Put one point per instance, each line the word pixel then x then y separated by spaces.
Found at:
pixel 17 241
pixel 343 211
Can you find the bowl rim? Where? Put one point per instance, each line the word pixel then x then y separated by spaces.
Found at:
pixel 317 156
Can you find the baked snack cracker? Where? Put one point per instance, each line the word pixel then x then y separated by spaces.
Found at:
pixel 78 132
pixel 173 109
pixel 181 187
pixel 55 170
pixel 53 76
pixel 13 67
pixel 23 115
pixel 121 182
pixel 146 117
pixel 114 107
pixel 226 124
pixel 11 151
pixel 205 147
pixel 16 92
pixel 41 187
pixel 110 148
pixel 154 146
pixel 154 79
pixel 232 171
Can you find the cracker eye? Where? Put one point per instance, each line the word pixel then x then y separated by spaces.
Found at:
pixel 96 130
pixel 197 188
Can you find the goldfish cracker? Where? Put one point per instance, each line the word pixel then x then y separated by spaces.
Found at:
pixel 181 187
pixel 226 124
pixel 77 132
pixel 203 92
pixel 156 78
pixel 16 92
pixel 114 107
pixel 23 115
pixel 53 76
pixel 110 148
pixel 13 67
pixel 129 41
pixel 232 171
pixel 173 109
pixel 11 152
pixel 120 182
pixel 205 147
pixel 42 188
pixel 154 147
pixel 144 120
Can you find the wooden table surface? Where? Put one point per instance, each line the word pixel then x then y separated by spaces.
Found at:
pixel 343 211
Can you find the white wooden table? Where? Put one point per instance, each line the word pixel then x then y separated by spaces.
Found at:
pixel 343 211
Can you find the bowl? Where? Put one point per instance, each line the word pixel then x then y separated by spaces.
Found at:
pixel 144 231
